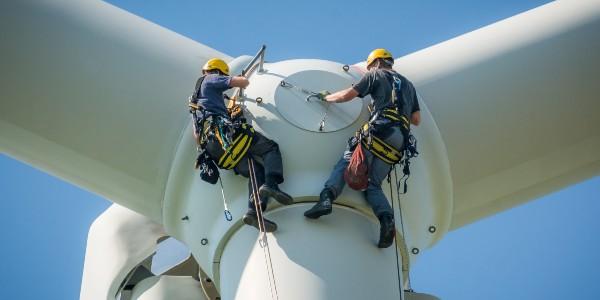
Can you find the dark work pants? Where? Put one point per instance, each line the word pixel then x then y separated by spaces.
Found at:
pixel 267 151
pixel 243 169
pixel 267 166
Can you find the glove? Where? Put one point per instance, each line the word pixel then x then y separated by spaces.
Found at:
pixel 322 94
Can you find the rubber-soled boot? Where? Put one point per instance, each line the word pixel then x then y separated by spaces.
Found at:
pixel 273 191
pixel 251 219
pixel 386 231
pixel 323 207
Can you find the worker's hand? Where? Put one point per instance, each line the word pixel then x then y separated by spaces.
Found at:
pixel 322 95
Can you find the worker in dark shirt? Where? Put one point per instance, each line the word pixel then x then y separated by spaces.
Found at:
pixel 215 80
pixel 377 82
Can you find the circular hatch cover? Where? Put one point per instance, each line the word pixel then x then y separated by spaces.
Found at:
pixel 311 114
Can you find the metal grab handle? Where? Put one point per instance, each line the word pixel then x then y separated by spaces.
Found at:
pixel 249 69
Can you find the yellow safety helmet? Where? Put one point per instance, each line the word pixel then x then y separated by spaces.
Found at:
pixel 216 64
pixel 378 53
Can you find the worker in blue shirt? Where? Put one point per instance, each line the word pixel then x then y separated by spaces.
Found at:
pixel 219 132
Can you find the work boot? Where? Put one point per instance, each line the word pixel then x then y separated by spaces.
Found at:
pixel 323 207
pixel 251 219
pixel 387 231
pixel 273 191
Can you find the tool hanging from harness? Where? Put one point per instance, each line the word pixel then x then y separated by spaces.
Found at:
pixel 382 120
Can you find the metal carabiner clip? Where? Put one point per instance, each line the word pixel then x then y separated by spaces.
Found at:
pixel 313 95
pixel 285 84
pixel 228 215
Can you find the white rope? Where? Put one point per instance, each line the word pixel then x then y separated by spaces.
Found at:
pixel 263 233
pixel 401 219
pixel 400 289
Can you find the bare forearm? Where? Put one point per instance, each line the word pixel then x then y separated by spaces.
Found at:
pixel 239 81
pixel 415 119
pixel 342 96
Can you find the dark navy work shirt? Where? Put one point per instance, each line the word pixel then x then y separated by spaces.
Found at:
pixel 378 84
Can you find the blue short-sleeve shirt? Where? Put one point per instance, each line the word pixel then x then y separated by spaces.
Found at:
pixel 210 93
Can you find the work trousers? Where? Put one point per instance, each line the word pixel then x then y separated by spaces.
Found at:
pixel 268 166
pixel 378 170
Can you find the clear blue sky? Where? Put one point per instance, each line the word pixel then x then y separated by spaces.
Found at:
pixel 546 249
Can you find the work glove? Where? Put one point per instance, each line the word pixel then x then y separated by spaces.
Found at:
pixel 322 94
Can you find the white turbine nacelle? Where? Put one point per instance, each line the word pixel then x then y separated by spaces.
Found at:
pixel 103 105
pixel 231 254
pixel 193 210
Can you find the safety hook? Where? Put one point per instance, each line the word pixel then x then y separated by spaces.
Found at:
pixel 313 95
pixel 285 84
pixel 228 215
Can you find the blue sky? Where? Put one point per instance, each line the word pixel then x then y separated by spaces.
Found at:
pixel 545 249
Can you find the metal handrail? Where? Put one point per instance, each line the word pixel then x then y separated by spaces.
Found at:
pixel 251 67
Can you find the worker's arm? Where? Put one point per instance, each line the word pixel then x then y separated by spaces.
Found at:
pixel 239 81
pixel 415 118
pixel 342 96
pixel 360 89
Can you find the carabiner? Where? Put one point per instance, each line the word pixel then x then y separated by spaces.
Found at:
pixel 285 84
pixel 228 215
pixel 313 95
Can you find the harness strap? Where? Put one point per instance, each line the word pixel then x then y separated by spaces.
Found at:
pixel 383 151
pixel 378 147
pixel 234 153
pixel 197 90
pixel 395 116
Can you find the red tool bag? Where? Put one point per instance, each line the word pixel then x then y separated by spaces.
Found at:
pixel 356 174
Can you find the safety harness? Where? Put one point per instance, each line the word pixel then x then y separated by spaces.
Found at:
pixel 384 119
pixel 233 135
pixel 377 146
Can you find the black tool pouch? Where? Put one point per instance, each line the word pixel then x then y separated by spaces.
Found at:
pixel 208 168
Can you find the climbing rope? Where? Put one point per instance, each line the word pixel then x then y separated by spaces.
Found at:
pixel 263 238
pixel 395 239
pixel 401 217
pixel 255 197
